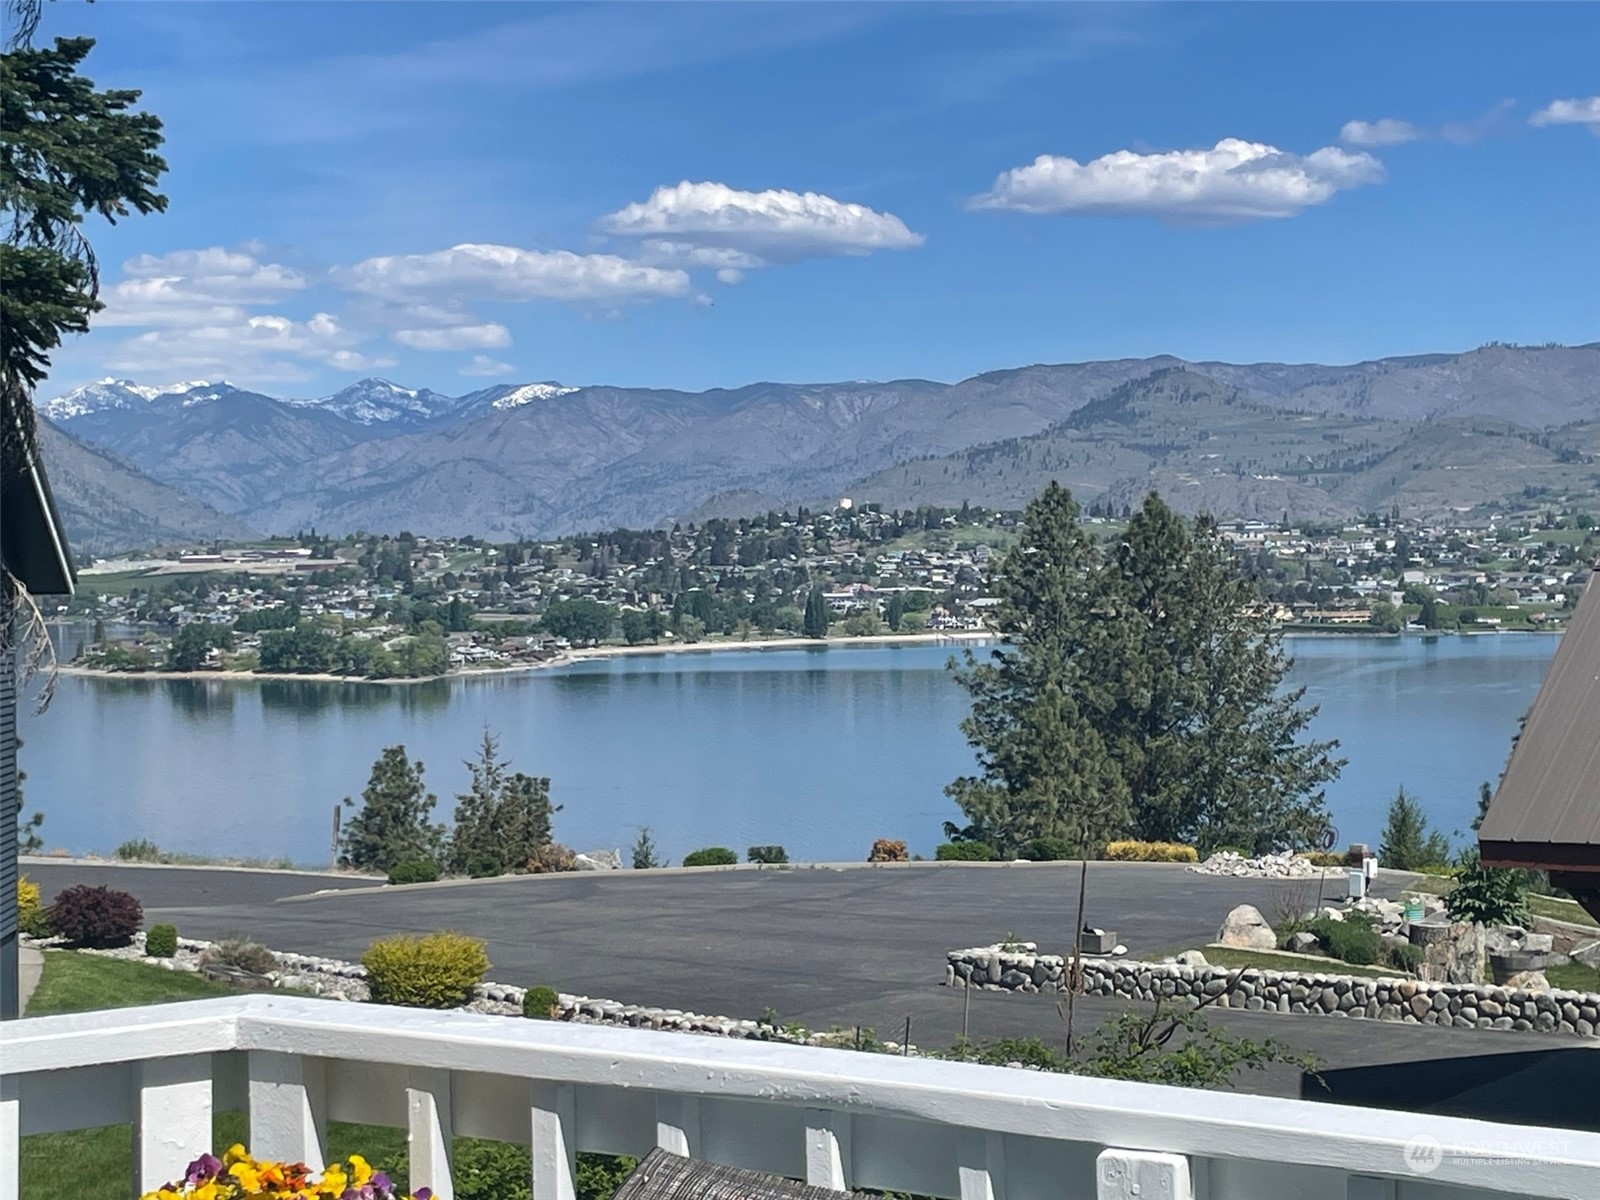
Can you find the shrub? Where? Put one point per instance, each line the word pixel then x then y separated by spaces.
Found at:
pixel 161 941
pixel 1487 895
pixel 413 870
pixel 1402 956
pixel 1439 870
pixel 769 855
pixel 887 850
pixel 139 850
pixel 485 865
pixel 95 916
pixel 1323 858
pixel 243 953
pixel 1050 849
pixel 28 906
pixel 1151 852
pixel 1351 940
pixel 438 970
pixel 710 856
pixel 964 852
pixel 540 1003
pixel 551 858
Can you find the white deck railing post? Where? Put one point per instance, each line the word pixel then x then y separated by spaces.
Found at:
pixel 678 1124
pixel 172 1118
pixel 981 1165
pixel 555 1147
pixel 10 1140
pixel 287 1097
pixel 1141 1174
pixel 828 1156
pixel 429 1130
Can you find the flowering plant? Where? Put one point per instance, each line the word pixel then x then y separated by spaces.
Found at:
pixel 237 1176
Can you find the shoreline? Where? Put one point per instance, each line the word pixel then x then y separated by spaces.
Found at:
pixel 954 638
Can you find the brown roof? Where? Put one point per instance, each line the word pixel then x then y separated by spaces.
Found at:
pixel 1546 812
pixel 664 1176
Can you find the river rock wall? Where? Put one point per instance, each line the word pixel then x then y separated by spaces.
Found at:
pixel 1018 967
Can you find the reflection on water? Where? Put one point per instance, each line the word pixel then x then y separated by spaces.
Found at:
pixel 821 750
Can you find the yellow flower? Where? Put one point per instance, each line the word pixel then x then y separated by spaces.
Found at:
pixel 334 1181
pixel 248 1175
pixel 360 1170
pixel 236 1153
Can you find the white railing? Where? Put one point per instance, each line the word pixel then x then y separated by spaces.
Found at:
pixel 832 1117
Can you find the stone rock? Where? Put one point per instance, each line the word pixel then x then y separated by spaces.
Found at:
pixel 238 977
pixel 1193 958
pixel 598 860
pixel 1246 929
pixel 1588 953
pixel 1539 943
pixel 1303 942
pixel 1529 981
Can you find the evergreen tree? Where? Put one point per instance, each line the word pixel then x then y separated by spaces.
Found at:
pixel 1045 769
pixel 392 826
pixel 1407 843
pixel 98 635
pixel 502 815
pixel 1139 693
pixel 896 611
pixel 817 616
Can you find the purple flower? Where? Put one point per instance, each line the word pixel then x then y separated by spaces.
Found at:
pixel 381 1184
pixel 423 1193
pixel 203 1169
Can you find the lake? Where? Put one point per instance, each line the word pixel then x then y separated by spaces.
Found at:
pixel 820 750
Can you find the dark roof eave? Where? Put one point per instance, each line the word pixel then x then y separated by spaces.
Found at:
pixel 35 544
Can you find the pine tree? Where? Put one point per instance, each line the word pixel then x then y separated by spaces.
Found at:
pixel 1045 771
pixel 896 611
pixel 502 816
pixel 392 826
pixel 1139 694
pixel 817 615
pixel 1407 843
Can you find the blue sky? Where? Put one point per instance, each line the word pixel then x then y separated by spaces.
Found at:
pixel 457 194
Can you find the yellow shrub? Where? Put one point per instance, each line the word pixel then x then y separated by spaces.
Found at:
pixel 1151 852
pixel 435 971
pixel 27 902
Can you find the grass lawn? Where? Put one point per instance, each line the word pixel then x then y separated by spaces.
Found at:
pixel 1574 976
pixel 1267 960
pixel 81 982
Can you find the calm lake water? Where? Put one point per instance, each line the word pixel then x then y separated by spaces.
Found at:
pixel 820 750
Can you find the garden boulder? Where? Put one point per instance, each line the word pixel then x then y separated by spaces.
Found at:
pixel 1246 929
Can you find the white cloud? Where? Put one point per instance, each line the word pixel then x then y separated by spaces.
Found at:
pixel 257 349
pixel 487 272
pixel 1233 181
pixel 1386 131
pixel 482 366
pixel 460 337
pixel 714 225
pixel 1570 112
pixel 187 286
pixel 1464 133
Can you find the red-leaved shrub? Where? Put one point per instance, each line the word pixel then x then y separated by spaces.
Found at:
pixel 888 850
pixel 95 916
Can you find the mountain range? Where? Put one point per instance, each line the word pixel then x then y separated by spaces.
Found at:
pixel 1435 434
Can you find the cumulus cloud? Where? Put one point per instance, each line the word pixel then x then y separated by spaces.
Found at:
pixel 259 349
pixel 186 286
pixel 488 336
pixel 1233 181
pixel 731 231
pixel 1570 112
pixel 484 367
pixel 475 271
pixel 1386 131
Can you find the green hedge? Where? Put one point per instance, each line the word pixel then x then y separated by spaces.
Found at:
pixel 435 971
pixel 710 856
pixel 161 941
pixel 964 852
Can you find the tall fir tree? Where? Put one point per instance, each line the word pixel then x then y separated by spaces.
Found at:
pixel 817 617
pixel 1139 693
pixel 393 823
pixel 503 815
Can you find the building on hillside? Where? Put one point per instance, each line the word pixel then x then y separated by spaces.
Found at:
pixel 1546 812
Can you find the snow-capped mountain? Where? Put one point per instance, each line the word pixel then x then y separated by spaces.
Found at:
pixel 378 402
pixel 529 392
pixel 108 394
